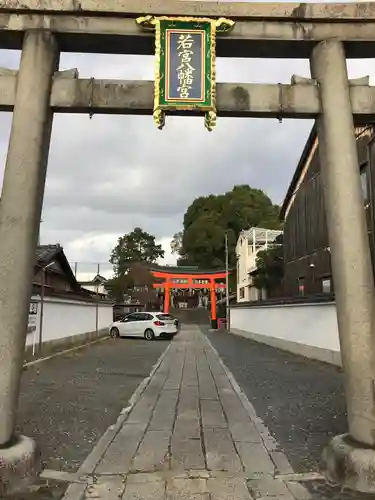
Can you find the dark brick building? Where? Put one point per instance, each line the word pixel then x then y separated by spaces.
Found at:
pixel 307 263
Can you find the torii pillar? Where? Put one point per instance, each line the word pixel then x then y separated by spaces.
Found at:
pixel 213 305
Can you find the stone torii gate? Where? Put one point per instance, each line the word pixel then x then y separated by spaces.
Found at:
pixel 323 33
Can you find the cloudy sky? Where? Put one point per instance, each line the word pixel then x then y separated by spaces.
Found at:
pixel 112 173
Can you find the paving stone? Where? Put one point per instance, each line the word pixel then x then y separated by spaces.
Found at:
pixel 222 382
pixel 153 490
pixel 143 410
pixel 220 451
pixel 189 402
pixel 186 427
pixel 121 451
pixel 173 382
pixel 165 411
pixel 144 477
pixel 187 454
pixel 255 458
pixel 212 414
pixel 267 486
pixel 244 432
pixel 153 452
pixel 202 474
pixel 298 491
pixel 185 489
pixel 190 376
pixel 106 488
pixel 233 406
pixel 208 392
pixel 282 464
pixel 228 489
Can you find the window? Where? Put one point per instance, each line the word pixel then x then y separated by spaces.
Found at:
pixel 301 285
pixel 326 285
pixel 365 183
pixel 131 317
pixel 164 317
pixel 242 292
pixel 144 317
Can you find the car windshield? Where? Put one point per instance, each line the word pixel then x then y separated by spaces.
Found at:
pixel 164 317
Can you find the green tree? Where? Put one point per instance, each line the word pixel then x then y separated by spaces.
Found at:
pixel 118 287
pixel 208 218
pixel 176 242
pixel 137 246
pixel 130 257
pixel 270 267
pixel 137 282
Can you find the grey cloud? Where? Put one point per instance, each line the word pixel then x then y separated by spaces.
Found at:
pixel 111 173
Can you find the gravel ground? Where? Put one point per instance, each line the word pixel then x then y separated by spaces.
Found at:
pixel 68 402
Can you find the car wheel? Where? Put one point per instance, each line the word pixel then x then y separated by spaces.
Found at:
pixel 149 334
pixel 114 333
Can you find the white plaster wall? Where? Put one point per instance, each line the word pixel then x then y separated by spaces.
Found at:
pixel 308 324
pixel 66 318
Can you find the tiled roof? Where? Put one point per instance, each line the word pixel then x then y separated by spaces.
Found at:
pixel 185 270
pixel 45 253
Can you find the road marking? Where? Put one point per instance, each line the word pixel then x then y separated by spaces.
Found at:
pixel 65 351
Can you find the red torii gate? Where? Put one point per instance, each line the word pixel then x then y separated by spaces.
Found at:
pixel 190 278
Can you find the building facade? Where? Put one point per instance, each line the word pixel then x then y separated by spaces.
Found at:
pixel 250 242
pixel 307 263
pixel 96 285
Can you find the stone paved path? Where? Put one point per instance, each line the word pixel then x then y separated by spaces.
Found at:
pixel 191 434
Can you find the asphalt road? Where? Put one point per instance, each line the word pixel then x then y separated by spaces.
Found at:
pixel 300 401
pixel 68 402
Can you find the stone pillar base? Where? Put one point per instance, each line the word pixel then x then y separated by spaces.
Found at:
pixel 350 464
pixel 20 463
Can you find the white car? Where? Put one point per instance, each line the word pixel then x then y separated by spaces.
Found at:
pixel 149 325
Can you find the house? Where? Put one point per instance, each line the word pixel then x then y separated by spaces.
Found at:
pixel 307 262
pixel 52 266
pixel 96 285
pixel 58 275
pixel 250 242
pixel 61 311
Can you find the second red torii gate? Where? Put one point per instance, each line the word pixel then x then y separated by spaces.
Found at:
pixel 192 280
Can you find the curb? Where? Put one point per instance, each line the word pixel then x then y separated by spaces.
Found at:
pixel 76 491
pixel 270 444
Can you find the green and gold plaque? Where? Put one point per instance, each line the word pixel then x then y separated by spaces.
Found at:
pixel 185 53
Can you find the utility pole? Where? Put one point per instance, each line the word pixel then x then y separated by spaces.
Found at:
pixel 227 282
pixel 97 303
pixel 42 306
pixel 39 232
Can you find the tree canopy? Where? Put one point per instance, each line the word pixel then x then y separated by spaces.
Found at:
pixel 137 246
pixel 208 218
pixel 130 259
pixel 137 282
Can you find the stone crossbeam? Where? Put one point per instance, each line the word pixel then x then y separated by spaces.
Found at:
pixel 253 37
pixel 299 100
pixel 235 10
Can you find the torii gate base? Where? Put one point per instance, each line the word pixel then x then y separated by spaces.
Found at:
pixel 43 29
